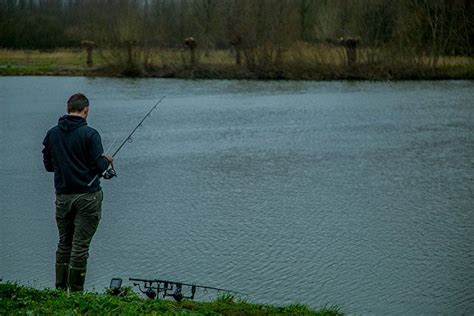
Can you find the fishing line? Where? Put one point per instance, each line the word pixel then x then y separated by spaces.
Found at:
pixel 110 171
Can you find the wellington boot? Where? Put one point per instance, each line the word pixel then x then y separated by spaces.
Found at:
pixel 62 273
pixel 77 276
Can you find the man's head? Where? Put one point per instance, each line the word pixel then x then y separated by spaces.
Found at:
pixel 78 105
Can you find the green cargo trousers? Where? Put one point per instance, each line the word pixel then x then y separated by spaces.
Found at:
pixel 77 217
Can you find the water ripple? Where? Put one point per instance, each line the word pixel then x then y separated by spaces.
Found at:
pixel 319 193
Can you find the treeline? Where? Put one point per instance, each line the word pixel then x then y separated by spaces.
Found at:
pixel 445 26
pixel 260 33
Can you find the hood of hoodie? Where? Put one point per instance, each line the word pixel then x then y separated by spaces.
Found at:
pixel 71 122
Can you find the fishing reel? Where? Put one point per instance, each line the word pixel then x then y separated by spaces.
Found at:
pixel 109 173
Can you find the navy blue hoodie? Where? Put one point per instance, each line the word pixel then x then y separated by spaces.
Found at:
pixel 73 151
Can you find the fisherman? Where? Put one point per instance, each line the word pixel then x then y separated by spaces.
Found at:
pixel 74 152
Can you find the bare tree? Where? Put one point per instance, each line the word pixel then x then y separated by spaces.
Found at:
pixel 206 17
pixel 305 15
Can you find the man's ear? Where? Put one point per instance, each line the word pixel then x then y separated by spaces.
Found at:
pixel 86 110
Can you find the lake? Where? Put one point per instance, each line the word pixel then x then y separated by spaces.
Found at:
pixel 358 194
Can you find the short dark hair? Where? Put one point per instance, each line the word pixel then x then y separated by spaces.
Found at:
pixel 77 102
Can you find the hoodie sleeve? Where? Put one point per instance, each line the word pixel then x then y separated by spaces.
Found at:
pixel 47 157
pixel 96 152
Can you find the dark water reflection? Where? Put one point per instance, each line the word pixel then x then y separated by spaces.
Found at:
pixel 356 194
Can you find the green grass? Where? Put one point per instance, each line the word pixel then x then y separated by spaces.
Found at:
pixel 16 299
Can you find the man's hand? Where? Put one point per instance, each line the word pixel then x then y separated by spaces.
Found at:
pixel 109 158
pixel 109 173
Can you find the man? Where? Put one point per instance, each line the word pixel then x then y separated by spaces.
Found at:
pixel 74 152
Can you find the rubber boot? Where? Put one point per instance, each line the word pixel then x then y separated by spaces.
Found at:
pixel 77 276
pixel 62 273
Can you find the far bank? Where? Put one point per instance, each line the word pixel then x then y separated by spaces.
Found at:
pixel 304 63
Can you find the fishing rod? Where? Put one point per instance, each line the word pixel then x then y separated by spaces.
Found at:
pixel 153 287
pixel 110 171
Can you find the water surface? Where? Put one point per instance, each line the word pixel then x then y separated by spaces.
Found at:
pixel 355 194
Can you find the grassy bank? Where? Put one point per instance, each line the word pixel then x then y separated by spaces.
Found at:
pixel 298 63
pixel 15 299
